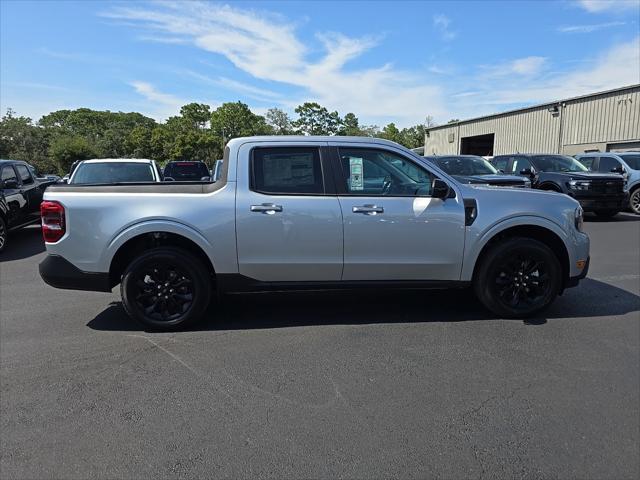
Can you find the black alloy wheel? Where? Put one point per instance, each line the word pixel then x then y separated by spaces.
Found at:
pixel 518 278
pixel 166 288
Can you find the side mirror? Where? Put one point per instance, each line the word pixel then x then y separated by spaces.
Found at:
pixel 440 189
pixel 169 179
pixel 10 184
pixel 205 179
pixel 527 171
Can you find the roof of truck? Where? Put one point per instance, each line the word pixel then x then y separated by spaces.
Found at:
pixel 312 139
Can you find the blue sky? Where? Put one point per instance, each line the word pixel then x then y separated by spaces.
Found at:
pixel 384 61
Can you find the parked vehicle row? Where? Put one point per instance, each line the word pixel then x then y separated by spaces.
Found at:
pixel 311 212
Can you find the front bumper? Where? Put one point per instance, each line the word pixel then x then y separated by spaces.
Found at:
pixel 60 273
pixel 574 281
pixel 593 203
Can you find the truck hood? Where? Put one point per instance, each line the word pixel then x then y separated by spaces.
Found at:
pixel 590 175
pixel 491 179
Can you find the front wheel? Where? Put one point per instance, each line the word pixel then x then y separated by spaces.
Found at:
pixel 3 234
pixel 165 288
pixel 518 278
pixel 634 201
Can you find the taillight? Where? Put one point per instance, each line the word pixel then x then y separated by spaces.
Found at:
pixel 53 225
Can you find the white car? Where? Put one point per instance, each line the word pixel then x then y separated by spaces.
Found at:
pixel 116 170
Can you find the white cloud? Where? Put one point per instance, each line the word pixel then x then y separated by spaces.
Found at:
pixel 588 28
pixel 597 6
pixel 526 66
pixel 267 48
pixel 163 105
pixel 441 22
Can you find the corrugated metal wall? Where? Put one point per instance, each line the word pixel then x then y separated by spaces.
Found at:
pixel 590 122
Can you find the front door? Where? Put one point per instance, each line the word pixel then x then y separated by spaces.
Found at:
pixel 393 228
pixel 289 223
pixel 16 201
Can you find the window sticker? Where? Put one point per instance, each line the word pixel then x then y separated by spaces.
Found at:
pixel 356 182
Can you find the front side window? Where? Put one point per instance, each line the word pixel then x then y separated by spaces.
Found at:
pixel 632 159
pixel 501 163
pixel 9 174
pixel 287 171
pixel 113 172
pixel 25 176
pixel 608 164
pixel 372 172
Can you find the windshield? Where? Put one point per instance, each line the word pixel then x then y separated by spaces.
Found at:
pixel 113 172
pixel 558 163
pixel 465 165
pixel 631 159
pixel 186 171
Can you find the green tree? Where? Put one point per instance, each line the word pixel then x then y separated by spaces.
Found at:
pixel 65 150
pixel 314 119
pixel 279 121
pixel 198 114
pixel 235 119
pixel 391 132
pixel 412 137
pixel 350 126
pixel 20 139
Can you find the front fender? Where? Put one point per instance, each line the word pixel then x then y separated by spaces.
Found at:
pixel 478 239
pixel 150 226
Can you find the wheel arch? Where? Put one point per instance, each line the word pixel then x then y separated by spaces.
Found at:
pixel 548 185
pixel 545 232
pixel 138 238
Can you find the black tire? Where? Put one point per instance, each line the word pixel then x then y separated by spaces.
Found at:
pixel 606 213
pixel 518 278
pixel 4 235
pixel 634 201
pixel 165 288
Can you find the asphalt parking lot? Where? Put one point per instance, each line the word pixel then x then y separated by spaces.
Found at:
pixel 357 385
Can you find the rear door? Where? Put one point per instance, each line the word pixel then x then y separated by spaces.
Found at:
pixel 393 228
pixel 288 218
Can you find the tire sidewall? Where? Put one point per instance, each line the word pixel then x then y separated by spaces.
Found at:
pixel 484 279
pixel 636 191
pixel 178 257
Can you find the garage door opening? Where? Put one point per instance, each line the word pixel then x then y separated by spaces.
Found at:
pixel 478 145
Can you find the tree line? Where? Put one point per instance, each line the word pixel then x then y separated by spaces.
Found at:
pixel 55 141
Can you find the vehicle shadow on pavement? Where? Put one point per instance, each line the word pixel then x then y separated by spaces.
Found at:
pixel 278 310
pixel 23 243
pixel 621 217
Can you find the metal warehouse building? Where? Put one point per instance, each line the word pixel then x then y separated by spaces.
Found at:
pixel 605 121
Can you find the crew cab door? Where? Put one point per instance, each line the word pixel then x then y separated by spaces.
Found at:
pixel 15 199
pixel 393 228
pixel 288 218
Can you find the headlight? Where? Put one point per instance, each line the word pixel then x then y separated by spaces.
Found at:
pixel 578 217
pixel 580 184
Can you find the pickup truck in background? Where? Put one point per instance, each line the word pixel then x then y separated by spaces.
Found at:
pixel 311 213
pixel 20 196
pixel 601 193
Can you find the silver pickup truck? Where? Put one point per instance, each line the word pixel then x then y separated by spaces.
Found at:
pixel 311 213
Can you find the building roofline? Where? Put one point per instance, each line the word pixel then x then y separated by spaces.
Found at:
pixel 532 107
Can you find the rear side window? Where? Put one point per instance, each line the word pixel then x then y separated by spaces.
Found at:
pixel 632 159
pixel 286 171
pixel 587 161
pixel 25 175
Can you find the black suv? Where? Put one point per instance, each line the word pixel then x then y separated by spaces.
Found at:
pixel 187 172
pixel 20 197
pixel 601 193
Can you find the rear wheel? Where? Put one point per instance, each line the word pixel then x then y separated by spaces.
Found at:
pixel 634 201
pixel 165 288
pixel 518 278
pixel 3 234
pixel 606 213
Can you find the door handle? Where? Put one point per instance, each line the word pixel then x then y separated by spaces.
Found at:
pixel 368 209
pixel 268 208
